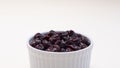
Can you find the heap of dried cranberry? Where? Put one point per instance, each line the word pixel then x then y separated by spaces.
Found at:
pixel 64 41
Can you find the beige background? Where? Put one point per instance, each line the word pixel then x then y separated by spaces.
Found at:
pixel 19 20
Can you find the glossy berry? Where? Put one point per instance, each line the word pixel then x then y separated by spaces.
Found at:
pixel 38 35
pixel 57 47
pixel 39 46
pixel 68 49
pixel 32 42
pixel 37 40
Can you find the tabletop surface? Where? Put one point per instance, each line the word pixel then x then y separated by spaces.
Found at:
pixel 19 20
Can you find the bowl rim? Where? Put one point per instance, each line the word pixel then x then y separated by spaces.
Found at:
pixel 49 52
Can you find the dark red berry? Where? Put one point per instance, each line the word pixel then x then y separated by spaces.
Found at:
pixel 49 48
pixel 74 47
pixel 85 40
pixel 77 47
pixel 39 46
pixel 57 46
pixel 82 45
pixel 44 42
pixel 71 32
pixel 46 37
pixel 38 35
pixel 52 49
pixel 69 42
pixel 64 34
pixel 52 32
pixel 52 40
pixel 37 40
pixel 58 42
pixel 71 46
pixel 32 42
pixel 68 49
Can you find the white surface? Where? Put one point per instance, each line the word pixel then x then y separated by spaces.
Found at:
pixel 20 19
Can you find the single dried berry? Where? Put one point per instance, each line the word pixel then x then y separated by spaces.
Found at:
pixel 74 47
pixel 71 32
pixel 85 40
pixel 46 37
pixel 52 49
pixel 77 47
pixel 38 35
pixel 52 39
pixel 32 42
pixel 76 41
pixel 68 49
pixel 82 45
pixel 37 40
pixel 64 34
pixel 71 46
pixel 58 42
pixel 57 47
pixel 52 32
pixel 69 42
pixel 45 43
pixel 49 48
pixel 39 46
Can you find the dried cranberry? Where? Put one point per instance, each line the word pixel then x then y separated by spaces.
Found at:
pixel 71 32
pixel 49 49
pixel 58 42
pixel 68 49
pixel 57 46
pixel 52 32
pixel 32 42
pixel 46 37
pixel 64 34
pixel 85 40
pixel 82 45
pixel 39 46
pixel 38 35
pixel 37 40
pixel 52 49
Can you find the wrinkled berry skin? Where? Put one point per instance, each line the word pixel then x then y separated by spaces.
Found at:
pixel 64 41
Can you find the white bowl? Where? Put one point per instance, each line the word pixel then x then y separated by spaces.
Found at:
pixel 74 59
